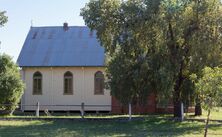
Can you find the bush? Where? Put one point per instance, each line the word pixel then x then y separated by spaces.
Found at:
pixel 11 85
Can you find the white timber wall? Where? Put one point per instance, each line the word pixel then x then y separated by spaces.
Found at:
pixel 52 97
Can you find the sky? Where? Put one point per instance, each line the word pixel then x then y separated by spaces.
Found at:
pixel 22 13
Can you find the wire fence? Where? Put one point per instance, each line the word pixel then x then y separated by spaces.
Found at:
pixel 83 108
pixel 49 109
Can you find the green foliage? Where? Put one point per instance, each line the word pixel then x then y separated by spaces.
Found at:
pixel 11 85
pixel 154 45
pixel 209 87
pixel 131 84
pixel 3 18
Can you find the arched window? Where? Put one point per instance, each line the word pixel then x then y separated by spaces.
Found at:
pixel 99 83
pixel 68 83
pixel 37 83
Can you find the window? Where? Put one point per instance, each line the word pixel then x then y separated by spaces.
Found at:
pixel 68 83
pixel 37 83
pixel 99 83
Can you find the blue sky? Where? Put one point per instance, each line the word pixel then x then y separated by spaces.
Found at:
pixel 41 12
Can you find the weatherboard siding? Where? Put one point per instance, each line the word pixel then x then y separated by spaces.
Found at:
pixel 52 89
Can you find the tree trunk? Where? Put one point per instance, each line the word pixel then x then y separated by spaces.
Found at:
pixel 177 94
pixel 198 109
pixel 206 126
pixel 177 107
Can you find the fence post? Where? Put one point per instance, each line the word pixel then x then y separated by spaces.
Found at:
pixel 82 110
pixel 37 109
pixel 130 112
pixel 21 107
pixel 182 112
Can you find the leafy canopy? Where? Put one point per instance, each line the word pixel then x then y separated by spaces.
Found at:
pixel 11 85
pixel 154 45
pixel 3 18
pixel 209 87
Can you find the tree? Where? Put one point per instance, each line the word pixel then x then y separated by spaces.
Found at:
pixel 209 87
pixel 11 85
pixel 126 59
pixel 207 50
pixel 193 34
pixel 163 38
pixel 3 18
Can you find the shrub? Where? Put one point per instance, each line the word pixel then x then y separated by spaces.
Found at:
pixel 11 85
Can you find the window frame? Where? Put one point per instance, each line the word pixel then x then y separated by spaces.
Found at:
pixel 101 91
pixel 69 78
pixel 37 76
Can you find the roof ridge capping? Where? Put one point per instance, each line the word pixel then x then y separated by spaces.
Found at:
pixel 40 31
pixel 57 26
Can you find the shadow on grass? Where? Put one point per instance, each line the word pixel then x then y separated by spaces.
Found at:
pixel 151 126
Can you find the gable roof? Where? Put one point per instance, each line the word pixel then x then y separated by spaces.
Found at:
pixel 54 46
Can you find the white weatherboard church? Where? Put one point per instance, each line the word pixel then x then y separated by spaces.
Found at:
pixel 63 67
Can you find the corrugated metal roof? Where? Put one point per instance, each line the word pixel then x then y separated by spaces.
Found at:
pixel 53 46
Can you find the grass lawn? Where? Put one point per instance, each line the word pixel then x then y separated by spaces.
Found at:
pixel 151 126
pixel 215 114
